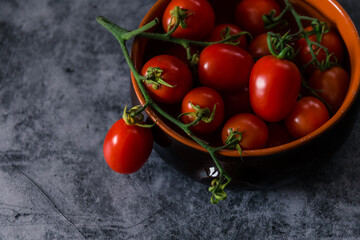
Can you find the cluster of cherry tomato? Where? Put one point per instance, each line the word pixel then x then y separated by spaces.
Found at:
pixel 239 89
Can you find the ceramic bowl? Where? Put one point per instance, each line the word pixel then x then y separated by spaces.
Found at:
pixel 270 166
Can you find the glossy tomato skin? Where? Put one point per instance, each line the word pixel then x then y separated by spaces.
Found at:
pixel 218 32
pixel 199 23
pixel 176 73
pixel 274 87
pixel 127 147
pixel 255 132
pixel 329 40
pixel 248 14
pixel 258 47
pixel 237 102
pixel 308 115
pixel 224 67
pixel 333 83
pixel 204 97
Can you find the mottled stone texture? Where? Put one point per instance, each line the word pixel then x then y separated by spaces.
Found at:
pixel 63 82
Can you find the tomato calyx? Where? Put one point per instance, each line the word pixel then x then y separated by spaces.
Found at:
pixel 233 141
pixel 232 39
pixel 193 61
pixel 319 29
pixel 135 117
pixel 153 76
pixel 271 20
pixel 328 63
pixel 178 16
pixel 280 45
pixel 200 114
pixel 217 190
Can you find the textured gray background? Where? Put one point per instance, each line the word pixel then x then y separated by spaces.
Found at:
pixel 63 83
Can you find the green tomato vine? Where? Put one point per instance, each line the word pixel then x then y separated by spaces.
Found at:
pixel 279 46
pixel 122 35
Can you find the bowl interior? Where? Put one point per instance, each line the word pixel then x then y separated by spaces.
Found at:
pixel 326 10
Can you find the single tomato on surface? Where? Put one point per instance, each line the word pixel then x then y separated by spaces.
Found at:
pixel 174 72
pixel 204 98
pixel 332 84
pixel 254 134
pixel 258 47
pixel 127 147
pixel 199 19
pixel 274 87
pixel 220 32
pixel 224 67
pixel 308 115
pixel 330 40
pixel 248 14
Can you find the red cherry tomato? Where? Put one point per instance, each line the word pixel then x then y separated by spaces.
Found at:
pixel 333 84
pixel 224 67
pixel 175 72
pixel 204 97
pixel 329 40
pixel 255 132
pixel 248 14
pixel 308 115
pixel 237 102
pixel 274 87
pixel 200 20
pixel 258 47
pixel 278 134
pixel 218 34
pixel 127 147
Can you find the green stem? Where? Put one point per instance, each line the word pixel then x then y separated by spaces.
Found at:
pixel 272 21
pixel 140 110
pixel 177 23
pixel 129 35
pixel 298 19
pixel 122 35
pixel 196 121
pixel 307 18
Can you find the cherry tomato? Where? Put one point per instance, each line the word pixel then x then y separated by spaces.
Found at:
pixel 333 85
pixel 237 102
pixel 203 97
pixel 258 47
pixel 127 147
pixel 278 134
pixel 175 72
pixel 218 34
pixel 308 115
pixel 224 67
pixel 199 22
pixel 255 132
pixel 274 87
pixel 248 14
pixel 329 40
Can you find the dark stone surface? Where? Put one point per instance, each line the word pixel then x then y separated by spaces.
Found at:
pixel 63 83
